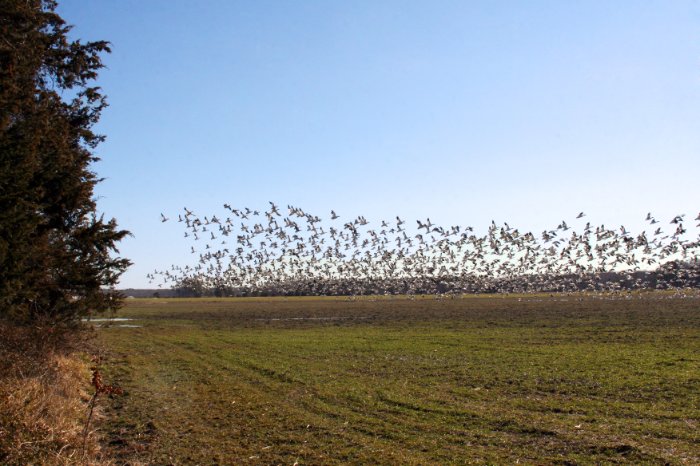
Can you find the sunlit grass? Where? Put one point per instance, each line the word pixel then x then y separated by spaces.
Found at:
pixel 394 380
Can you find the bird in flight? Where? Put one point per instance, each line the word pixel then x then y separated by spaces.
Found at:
pixel 301 255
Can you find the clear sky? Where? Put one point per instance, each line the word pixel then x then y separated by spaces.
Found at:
pixel 464 111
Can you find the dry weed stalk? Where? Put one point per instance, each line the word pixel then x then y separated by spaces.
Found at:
pixel 100 389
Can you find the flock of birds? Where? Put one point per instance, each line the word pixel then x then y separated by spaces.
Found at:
pixel 293 252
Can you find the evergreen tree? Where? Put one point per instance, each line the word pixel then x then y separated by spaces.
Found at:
pixel 56 254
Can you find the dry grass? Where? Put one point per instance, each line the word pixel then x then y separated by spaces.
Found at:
pixel 44 392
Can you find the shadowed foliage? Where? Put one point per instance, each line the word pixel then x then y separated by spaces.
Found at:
pixel 55 251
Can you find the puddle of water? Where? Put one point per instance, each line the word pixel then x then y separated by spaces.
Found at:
pixel 312 318
pixel 118 326
pixel 108 322
pixel 108 319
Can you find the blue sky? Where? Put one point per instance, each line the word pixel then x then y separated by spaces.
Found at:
pixel 464 112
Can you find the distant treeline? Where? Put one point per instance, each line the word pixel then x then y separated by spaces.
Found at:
pixel 672 275
pixel 149 293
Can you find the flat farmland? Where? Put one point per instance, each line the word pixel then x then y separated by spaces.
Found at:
pixel 530 379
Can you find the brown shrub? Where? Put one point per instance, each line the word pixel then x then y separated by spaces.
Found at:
pixel 44 394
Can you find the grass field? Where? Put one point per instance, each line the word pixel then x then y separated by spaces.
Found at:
pixel 561 379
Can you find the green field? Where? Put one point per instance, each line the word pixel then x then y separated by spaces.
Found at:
pixel 564 379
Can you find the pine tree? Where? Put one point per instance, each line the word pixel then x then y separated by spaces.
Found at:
pixel 56 254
